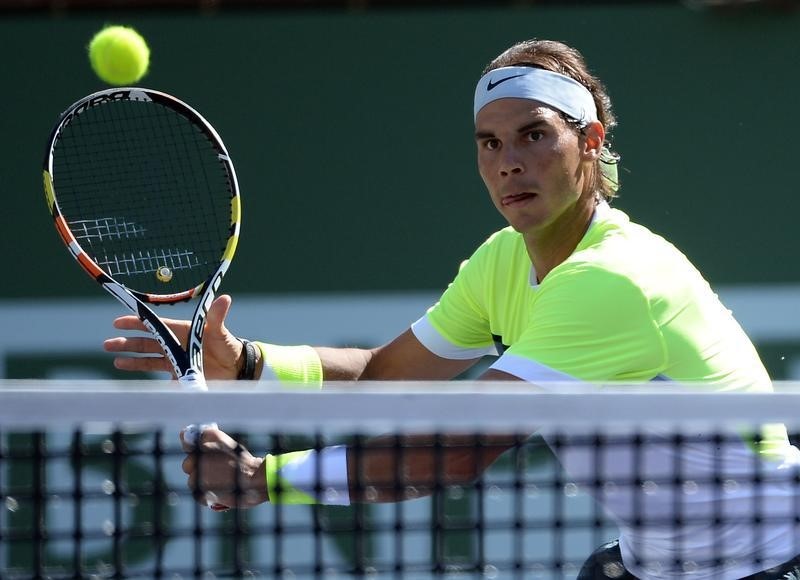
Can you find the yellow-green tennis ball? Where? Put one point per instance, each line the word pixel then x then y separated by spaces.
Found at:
pixel 119 55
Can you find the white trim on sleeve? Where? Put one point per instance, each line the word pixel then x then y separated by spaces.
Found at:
pixel 530 370
pixel 440 346
pixel 326 468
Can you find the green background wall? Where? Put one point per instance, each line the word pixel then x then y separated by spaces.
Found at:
pixel 351 132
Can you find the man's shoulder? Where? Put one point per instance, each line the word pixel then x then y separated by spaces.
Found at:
pixel 620 252
pixel 504 236
pixel 501 245
pixel 616 243
pixel 613 226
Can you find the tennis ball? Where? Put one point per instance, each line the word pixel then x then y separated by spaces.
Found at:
pixel 119 55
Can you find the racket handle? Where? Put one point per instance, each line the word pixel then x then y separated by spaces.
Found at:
pixel 193 380
pixel 191 436
pixel 191 433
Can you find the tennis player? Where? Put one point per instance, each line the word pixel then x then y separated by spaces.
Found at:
pixel 571 291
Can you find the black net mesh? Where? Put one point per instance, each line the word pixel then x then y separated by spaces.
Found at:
pixel 106 502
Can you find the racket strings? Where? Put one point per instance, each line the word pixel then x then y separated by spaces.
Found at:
pixel 145 194
pixel 147 263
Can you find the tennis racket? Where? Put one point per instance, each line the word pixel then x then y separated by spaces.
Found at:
pixel 144 195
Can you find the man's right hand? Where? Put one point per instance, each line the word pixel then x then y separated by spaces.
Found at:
pixel 221 472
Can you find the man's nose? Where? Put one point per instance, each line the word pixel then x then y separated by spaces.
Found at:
pixel 511 163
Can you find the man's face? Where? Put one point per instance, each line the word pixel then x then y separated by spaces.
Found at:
pixel 531 161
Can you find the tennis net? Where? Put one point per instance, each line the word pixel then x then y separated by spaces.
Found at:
pixel 699 484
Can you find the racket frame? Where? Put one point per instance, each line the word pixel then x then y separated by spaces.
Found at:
pixel 187 363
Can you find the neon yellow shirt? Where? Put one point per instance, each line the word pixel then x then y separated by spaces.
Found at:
pixel 628 306
pixel 625 306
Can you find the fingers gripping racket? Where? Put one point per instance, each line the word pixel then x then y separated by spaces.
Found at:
pixel 144 195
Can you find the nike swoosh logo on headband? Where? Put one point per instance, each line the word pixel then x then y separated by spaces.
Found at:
pixel 492 85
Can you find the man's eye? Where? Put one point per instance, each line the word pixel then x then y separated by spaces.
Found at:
pixel 492 144
pixel 535 136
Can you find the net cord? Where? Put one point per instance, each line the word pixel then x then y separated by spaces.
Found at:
pixel 379 405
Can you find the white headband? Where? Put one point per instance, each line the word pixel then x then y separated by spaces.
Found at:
pixel 525 82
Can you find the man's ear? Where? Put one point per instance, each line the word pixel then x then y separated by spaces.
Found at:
pixel 594 135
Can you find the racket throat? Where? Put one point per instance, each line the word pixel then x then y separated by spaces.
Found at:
pixel 193 380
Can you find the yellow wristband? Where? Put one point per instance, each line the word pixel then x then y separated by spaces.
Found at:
pixel 298 365
pixel 308 477
pixel 279 489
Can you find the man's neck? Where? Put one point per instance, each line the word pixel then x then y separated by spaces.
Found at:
pixel 552 245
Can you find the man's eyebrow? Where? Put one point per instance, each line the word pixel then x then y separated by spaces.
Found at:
pixel 531 125
pixel 524 129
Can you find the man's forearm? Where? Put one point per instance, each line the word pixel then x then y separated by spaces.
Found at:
pixel 392 468
pixel 343 364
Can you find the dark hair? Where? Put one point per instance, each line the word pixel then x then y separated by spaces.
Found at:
pixel 560 58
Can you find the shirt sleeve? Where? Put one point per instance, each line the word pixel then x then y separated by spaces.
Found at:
pixel 590 324
pixel 457 326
